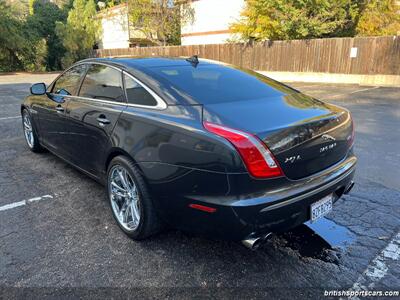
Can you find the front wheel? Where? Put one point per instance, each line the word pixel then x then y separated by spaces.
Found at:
pixel 30 133
pixel 130 201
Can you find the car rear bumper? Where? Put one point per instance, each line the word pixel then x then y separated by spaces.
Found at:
pixel 252 208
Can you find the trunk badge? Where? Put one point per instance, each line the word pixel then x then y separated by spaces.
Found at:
pixel 327 137
pixel 292 159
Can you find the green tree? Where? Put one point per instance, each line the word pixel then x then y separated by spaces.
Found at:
pixel 20 8
pixel 19 50
pixel 33 55
pixel 296 19
pixel 81 31
pixel 27 35
pixel 11 39
pixel 41 26
pixel 379 17
pixel 30 4
pixel 159 20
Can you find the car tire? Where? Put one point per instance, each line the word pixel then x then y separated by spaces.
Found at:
pixel 30 134
pixel 149 223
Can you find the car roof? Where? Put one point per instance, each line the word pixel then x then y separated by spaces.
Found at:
pixel 148 62
pixel 141 68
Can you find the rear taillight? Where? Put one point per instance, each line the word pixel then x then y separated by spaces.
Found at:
pixel 258 159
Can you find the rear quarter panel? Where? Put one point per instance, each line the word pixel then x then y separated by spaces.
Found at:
pixel 174 152
pixel 174 136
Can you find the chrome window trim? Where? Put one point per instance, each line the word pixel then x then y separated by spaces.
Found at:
pixel 92 99
pixel 161 104
pixel 96 63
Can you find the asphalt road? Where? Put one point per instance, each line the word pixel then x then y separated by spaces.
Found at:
pixel 62 240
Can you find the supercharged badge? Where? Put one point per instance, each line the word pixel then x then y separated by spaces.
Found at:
pixel 327 147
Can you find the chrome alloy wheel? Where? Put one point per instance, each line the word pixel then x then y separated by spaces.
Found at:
pixel 28 131
pixel 124 198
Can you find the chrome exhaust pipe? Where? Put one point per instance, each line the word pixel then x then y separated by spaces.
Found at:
pixel 253 243
pixel 349 187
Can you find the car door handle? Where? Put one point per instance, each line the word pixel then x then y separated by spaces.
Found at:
pixel 103 121
pixel 59 109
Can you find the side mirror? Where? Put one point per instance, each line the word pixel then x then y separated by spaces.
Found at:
pixel 38 89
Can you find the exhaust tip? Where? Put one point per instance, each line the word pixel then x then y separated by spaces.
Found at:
pixel 256 242
pixel 251 243
pixel 349 188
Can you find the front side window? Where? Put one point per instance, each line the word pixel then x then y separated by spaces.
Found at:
pixel 102 83
pixel 68 83
pixel 137 94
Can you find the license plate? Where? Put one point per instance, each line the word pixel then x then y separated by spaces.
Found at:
pixel 321 208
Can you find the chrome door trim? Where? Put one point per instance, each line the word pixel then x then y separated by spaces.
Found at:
pixel 92 99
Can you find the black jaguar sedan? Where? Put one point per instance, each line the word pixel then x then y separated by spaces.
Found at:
pixel 199 145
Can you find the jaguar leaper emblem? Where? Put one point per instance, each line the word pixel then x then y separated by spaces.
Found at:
pixel 327 137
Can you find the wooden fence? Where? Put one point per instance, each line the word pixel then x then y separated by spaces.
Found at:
pixel 375 55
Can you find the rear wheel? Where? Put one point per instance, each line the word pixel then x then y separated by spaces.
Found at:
pixel 130 201
pixel 31 137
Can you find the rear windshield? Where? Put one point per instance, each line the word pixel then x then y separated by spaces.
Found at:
pixel 210 83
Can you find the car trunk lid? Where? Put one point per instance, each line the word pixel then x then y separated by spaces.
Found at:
pixel 305 135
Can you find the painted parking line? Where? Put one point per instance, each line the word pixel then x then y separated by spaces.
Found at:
pixel 10 118
pixel 24 202
pixel 379 266
pixel 353 92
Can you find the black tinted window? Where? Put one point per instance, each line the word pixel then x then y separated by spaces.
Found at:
pixel 137 94
pixel 216 83
pixel 103 83
pixel 68 83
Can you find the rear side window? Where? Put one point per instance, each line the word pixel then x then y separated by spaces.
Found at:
pixel 209 83
pixel 68 82
pixel 137 94
pixel 102 83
